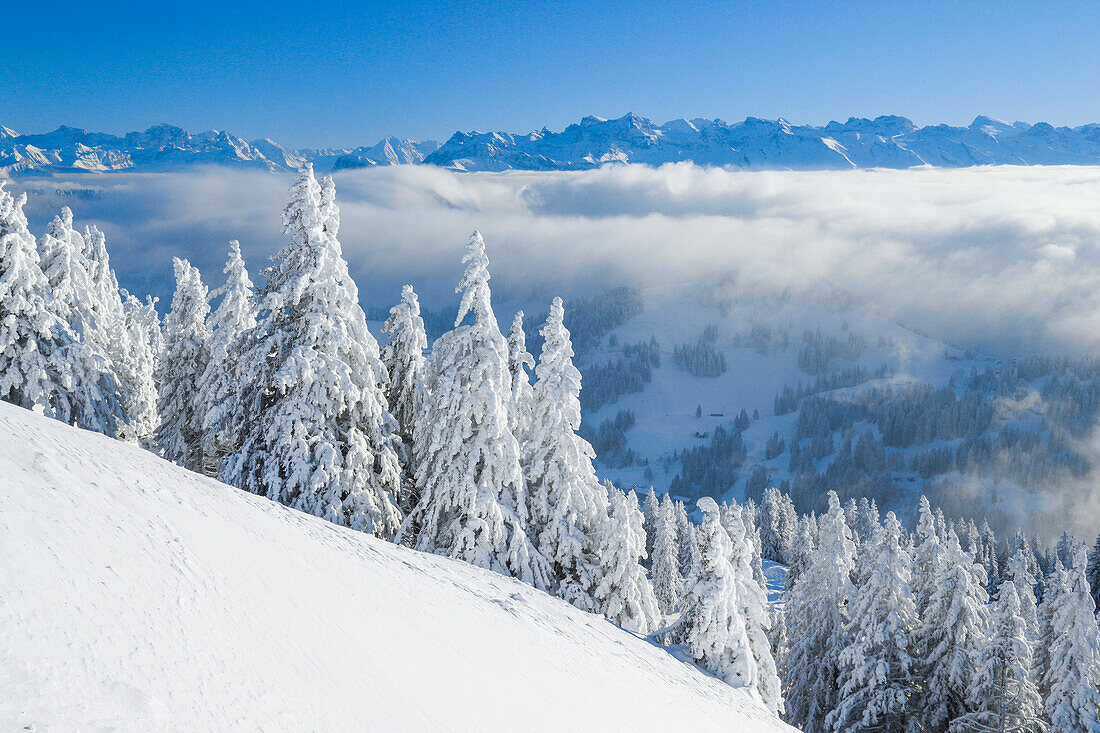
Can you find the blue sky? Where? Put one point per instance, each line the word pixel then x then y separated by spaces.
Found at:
pixel 319 73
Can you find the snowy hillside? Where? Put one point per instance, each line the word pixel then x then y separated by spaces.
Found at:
pixel 138 596
pixel 757 144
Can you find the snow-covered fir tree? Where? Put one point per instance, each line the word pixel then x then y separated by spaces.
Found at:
pixel 1021 569
pixel 778 522
pixel 1003 696
pixel 622 592
pixel 43 364
pixel 712 626
pixel 404 360
pixel 752 602
pixel 1073 650
pixel 927 554
pixel 112 337
pixel 318 434
pixel 565 504
pixel 816 614
pixel 951 633
pixel 62 257
pixel 520 362
pixel 665 562
pixel 803 548
pixel 146 342
pixel 877 668
pixel 1093 571
pixel 219 385
pixel 186 353
pixel 651 507
pixel 473 503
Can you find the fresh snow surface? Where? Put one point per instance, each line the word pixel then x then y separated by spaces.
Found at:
pixel 135 595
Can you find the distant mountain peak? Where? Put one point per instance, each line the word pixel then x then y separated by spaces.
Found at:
pixel 886 141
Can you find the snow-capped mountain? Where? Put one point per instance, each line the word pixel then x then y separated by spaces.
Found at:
pixel 754 144
pixel 139 596
pixel 887 142
pixel 164 147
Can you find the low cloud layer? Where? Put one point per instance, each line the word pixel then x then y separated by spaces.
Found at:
pixel 1004 259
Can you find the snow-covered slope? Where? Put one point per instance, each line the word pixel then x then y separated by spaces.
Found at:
pixel 884 142
pixel 137 596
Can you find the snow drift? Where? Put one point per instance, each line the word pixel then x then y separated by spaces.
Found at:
pixel 135 595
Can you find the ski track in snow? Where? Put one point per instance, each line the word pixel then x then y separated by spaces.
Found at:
pixel 135 595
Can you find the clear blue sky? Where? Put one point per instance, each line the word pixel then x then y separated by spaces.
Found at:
pixel 313 73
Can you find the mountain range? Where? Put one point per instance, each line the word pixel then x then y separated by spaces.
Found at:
pixel 754 144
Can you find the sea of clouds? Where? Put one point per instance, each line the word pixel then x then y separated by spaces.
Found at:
pixel 1005 259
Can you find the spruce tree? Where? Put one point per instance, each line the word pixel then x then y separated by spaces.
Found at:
pixel 651 507
pixel 186 354
pixel 927 554
pixel 43 364
pixel 778 522
pixel 1092 572
pixel 665 563
pixel 318 434
pixel 816 613
pixel 752 602
pixel 877 668
pixel 622 592
pixel 473 503
pixel 112 337
pixel 713 627
pixel 1003 697
pixel 219 385
pixel 404 360
pixel 522 407
pixel 146 340
pixel 565 504
pixel 951 633
pixel 1073 650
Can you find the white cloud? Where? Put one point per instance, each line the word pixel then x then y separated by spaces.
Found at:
pixel 1002 258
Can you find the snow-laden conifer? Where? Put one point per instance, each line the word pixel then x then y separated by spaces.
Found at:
pixel 219 385
pixel 112 338
pixel 565 503
pixel 1020 569
pixel 43 364
pixel 473 503
pixel 877 668
pixel 816 615
pixel 520 361
pixel 1003 696
pixel 1092 572
pixel 146 340
pixel 927 555
pixel 1073 673
pixel 186 353
pixel 713 627
pixel 404 360
pixel 752 602
pixel 665 562
pixel 651 507
pixel 952 631
pixel 318 434
pixel 63 260
pixel 778 522
pixel 622 592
